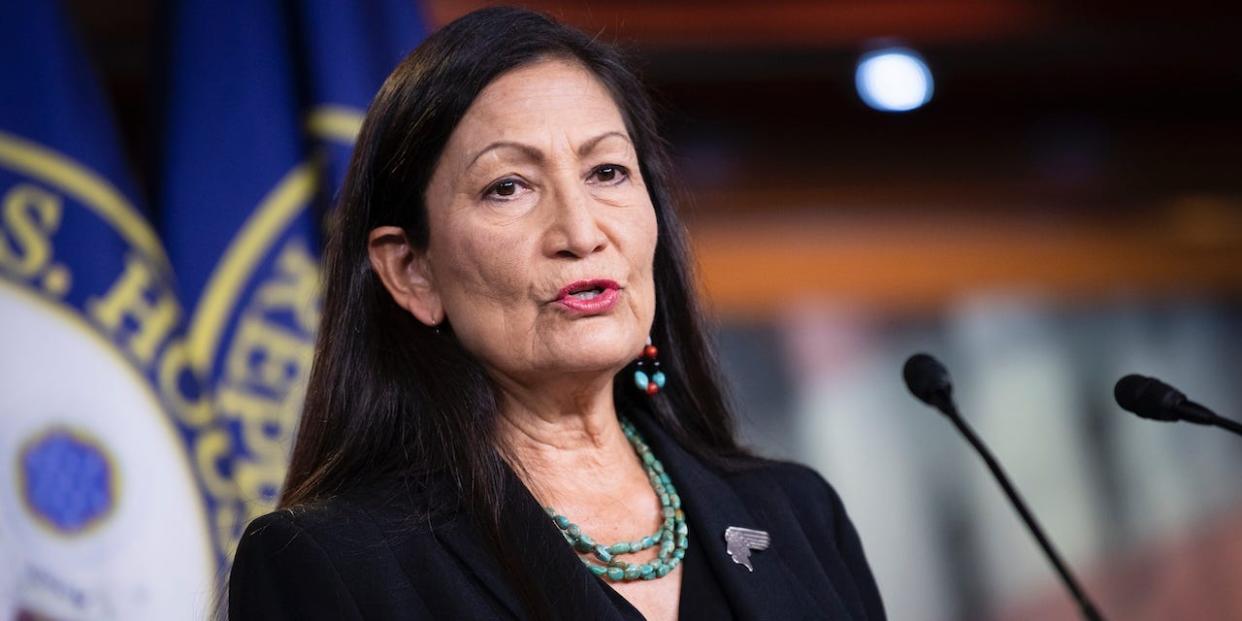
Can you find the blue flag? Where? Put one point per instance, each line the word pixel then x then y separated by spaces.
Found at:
pixel 265 100
pixel 103 512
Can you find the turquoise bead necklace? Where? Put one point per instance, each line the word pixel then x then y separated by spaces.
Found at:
pixel 672 536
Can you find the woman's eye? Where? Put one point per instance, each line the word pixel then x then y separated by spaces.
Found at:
pixel 503 189
pixel 610 173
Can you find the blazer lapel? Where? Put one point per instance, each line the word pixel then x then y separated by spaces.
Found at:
pixel 573 591
pixel 772 590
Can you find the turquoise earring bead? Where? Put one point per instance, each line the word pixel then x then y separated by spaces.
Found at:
pixel 641 380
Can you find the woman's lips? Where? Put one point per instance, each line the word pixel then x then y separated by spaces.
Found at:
pixel 589 297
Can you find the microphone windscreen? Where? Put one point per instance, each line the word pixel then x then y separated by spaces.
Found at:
pixel 927 379
pixel 1148 397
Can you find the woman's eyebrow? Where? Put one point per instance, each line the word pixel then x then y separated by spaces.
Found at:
pixel 587 146
pixel 536 155
pixel 528 151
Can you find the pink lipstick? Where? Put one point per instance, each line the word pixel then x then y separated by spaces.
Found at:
pixel 589 297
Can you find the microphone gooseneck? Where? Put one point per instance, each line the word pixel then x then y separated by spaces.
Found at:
pixel 928 380
pixel 1151 398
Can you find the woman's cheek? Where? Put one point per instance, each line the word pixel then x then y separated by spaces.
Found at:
pixel 498 270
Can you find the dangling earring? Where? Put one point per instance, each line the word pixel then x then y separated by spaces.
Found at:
pixel 647 362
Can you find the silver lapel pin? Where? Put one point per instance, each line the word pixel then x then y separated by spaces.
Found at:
pixel 741 541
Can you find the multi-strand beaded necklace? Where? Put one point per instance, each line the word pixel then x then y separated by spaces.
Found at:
pixel 671 537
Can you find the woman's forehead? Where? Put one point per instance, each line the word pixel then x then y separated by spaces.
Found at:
pixel 549 99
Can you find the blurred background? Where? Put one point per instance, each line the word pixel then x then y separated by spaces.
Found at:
pixel 1046 195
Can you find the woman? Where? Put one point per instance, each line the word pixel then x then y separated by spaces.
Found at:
pixel 512 410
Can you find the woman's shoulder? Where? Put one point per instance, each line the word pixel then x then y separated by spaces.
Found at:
pixel 779 476
pixel 366 514
pixel 802 489
pixel 331 558
pixel 335 523
pixel 358 530
pixel 788 475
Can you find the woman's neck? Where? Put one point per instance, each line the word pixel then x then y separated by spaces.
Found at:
pixel 564 443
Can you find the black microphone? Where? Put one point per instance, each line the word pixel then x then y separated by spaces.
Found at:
pixel 929 381
pixel 1151 398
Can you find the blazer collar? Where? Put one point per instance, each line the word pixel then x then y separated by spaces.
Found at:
pixel 711 506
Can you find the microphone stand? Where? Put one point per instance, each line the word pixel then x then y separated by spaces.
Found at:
pixel 1089 612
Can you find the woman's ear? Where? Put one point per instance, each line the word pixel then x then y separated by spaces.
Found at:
pixel 404 272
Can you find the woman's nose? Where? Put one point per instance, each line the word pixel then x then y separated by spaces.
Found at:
pixel 575 231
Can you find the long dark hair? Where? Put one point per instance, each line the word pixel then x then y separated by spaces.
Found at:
pixel 391 396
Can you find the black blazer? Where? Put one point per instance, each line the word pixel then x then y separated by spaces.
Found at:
pixel 357 556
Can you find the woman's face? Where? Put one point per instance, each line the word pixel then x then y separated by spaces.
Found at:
pixel 542 234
